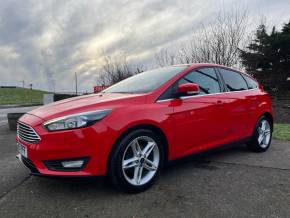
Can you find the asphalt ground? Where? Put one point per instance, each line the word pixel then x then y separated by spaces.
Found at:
pixel 228 183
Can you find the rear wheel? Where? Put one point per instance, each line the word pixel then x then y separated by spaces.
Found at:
pixel 136 161
pixel 262 136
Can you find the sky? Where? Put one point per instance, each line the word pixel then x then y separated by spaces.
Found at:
pixel 46 42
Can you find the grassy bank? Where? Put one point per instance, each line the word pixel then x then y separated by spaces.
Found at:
pixel 9 96
pixel 281 131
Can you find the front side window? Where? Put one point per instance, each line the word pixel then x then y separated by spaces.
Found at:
pixel 206 78
pixel 146 81
pixel 233 80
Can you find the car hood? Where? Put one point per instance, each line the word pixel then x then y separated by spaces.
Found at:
pixel 86 103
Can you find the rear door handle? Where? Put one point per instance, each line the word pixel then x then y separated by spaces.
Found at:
pixel 254 99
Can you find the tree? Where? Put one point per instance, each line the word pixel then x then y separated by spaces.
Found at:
pixel 268 57
pixel 217 42
pixel 116 69
pixel 164 57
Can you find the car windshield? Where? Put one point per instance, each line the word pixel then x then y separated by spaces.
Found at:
pixel 146 81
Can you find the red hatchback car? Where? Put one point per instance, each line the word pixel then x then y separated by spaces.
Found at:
pixel 131 129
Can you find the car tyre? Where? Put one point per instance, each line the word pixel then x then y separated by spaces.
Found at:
pixel 136 161
pixel 262 136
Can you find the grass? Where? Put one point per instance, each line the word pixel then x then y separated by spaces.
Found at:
pixel 20 96
pixel 281 131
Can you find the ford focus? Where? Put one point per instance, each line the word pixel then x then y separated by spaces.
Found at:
pixel 132 129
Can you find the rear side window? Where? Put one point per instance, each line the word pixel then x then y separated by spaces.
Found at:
pixel 206 78
pixel 252 84
pixel 233 80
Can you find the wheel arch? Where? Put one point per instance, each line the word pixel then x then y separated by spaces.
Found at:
pixel 269 116
pixel 151 127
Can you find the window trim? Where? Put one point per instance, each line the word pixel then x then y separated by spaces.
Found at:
pixel 194 96
pixel 220 82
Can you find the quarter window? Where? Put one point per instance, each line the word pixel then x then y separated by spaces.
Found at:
pixel 252 84
pixel 233 80
pixel 206 78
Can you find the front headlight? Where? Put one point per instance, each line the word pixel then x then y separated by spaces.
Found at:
pixel 76 120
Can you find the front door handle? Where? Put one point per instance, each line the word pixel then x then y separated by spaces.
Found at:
pixel 219 102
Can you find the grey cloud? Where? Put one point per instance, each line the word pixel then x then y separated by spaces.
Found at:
pixel 45 42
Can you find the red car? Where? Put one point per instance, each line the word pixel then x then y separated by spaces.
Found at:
pixel 133 128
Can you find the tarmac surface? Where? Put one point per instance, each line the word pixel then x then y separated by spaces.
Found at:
pixel 229 183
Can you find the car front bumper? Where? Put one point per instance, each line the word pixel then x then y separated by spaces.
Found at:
pixel 93 143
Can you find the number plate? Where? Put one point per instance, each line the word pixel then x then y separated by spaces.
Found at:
pixel 22 149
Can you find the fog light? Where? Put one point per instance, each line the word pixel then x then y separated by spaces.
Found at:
pixel 73 164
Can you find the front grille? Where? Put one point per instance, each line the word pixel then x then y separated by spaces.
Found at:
pixel 27 134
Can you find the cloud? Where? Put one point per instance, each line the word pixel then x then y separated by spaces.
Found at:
pixel 46 42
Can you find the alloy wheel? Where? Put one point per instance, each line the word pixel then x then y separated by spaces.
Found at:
pixel 140 160
pixel 264 133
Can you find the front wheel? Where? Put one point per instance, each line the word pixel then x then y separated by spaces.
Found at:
pixel 136 161
pixel 262 136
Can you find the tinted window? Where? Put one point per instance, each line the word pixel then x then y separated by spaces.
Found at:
pixel 206 78
pixel 146 81
pixel 234 81
pixel 252 84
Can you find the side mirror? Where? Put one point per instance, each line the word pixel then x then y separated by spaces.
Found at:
pixel 188 89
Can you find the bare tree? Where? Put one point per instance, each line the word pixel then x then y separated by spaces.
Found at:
pixel 116 69
pixel 217 42
pixel 165 57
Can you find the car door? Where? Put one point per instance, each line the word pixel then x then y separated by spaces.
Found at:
pixel 238 106
pixel 197 119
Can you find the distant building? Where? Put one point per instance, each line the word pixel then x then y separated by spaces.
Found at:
pixel 99 88
pixel 10 87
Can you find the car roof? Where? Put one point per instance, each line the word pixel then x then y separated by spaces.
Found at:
pixel 196 65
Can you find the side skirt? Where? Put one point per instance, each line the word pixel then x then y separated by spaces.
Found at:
pixel 209 152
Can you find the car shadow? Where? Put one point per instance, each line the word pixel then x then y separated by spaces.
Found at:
pixel 101 185
pixel 203 160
